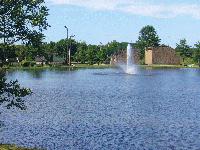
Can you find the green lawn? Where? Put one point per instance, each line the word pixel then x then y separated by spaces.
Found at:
pixel 169 66
pixel 95 66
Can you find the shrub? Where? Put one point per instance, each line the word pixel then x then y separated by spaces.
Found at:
pixel 28 63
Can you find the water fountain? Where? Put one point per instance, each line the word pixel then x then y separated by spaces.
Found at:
pixel 130 67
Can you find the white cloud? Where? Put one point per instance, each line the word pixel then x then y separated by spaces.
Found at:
pixel 137 7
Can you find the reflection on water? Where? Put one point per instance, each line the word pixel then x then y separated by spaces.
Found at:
pixel 106 109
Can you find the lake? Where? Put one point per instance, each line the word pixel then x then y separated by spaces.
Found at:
pixel 156 109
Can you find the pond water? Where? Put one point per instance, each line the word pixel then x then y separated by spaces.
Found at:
pixel 156 109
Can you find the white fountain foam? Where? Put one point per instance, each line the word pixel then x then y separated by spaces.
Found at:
pixel 130 66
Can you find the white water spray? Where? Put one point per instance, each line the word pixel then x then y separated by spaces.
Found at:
pixel 130 67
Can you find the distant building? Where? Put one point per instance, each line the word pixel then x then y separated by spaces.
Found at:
pixel 57 59
pixel 153 55
pixel 13 61
pixel 121 57
pixel 40 60
pixel 161 55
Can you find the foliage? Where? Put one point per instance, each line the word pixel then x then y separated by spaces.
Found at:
pixel 11 94
pixel 22 21
pixel 91 53
pixel 183 49
pixel 25 63
pixel 147 38
pixel 80 55
pixel 197 52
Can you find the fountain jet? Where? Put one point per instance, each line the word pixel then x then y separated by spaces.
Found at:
pixel 130 67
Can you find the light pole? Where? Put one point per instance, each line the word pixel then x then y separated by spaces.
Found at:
pixel 70 49
pixel 67 43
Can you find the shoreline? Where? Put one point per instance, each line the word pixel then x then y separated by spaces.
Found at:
pixel 95 66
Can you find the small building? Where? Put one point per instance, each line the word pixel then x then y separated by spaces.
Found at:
pixel 161 55
pixel 57 59
pixel 40 60
pixel 121 57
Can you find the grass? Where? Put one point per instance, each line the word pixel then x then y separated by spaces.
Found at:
pixel 168 66
pixel 12 147
pixel 95 66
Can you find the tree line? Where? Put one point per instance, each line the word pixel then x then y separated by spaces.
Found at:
pixel 81 52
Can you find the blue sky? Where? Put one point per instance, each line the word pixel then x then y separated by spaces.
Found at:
pixel 96 21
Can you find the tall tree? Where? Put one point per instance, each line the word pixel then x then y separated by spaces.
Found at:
pixel 80 55
pixel 91 54
pixel 22 21
pixel 148 37
pixel 183 49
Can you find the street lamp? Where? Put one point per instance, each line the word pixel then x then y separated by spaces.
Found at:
pixel 67 42
pixel 70 49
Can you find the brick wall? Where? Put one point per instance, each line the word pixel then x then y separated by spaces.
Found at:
pixel 121 57
pixel 165 55
pixel 154 55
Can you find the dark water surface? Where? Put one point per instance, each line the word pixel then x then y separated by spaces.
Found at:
pixel 106 109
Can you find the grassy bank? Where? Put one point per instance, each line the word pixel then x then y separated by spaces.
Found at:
pixel 95 66
pixel 13 147
pixel 169 66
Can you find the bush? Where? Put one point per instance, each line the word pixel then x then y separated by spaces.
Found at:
pixel 28 63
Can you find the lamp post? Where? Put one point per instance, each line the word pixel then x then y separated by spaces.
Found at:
pixel 67 43
pixel 70 49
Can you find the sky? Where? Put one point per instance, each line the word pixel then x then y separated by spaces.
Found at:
pixel 95 21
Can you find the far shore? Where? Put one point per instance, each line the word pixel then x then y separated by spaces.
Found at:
pixel 95 66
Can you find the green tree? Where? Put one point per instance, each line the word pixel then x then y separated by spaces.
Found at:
pixel 101 55
pixel 148 37
pixel 61 47
pixel 22 21
pixel 183 49
pixel 11 93
pixel 91 54
pixel 197 52
pixel 80 55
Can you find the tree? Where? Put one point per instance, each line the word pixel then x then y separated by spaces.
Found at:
pixel 61 47
pixel 22 21
pixel 91 54
pixel 183 49
pixel 11 93
pixel 197 52
pixel 101 55
pixel 148 37
pixel 80 55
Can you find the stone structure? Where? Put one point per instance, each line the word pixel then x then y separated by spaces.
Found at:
pixel 121 57
pixel 153 55
pixel 161 55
